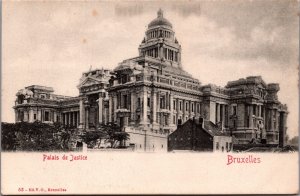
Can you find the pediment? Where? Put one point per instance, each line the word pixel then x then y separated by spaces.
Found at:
pixel 89 81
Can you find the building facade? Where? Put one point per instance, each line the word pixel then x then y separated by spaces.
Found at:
pixel 199 135
pixel 150 94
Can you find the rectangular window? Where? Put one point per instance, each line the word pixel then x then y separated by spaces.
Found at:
pixel 46 116
pixel 186 106
pixel 174 105
pixel 125 104
pixel 162 102
pixel 226 146
pixel 34 116
pixel 192 107
pixel 148 101
pixel 234 109
pixel 124 79
pixel 174 119
pixel 139 102
pixel 180 105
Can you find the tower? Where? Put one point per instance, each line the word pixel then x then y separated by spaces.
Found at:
pixel 160 42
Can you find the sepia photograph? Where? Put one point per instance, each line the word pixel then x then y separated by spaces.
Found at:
pixel 127 93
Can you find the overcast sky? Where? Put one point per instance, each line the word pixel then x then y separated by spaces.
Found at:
pixel 52 43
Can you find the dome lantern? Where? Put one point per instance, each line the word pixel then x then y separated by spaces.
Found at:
pixel 160 13
pixel 160 20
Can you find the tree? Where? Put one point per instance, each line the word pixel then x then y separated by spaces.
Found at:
pixel 36 136
pixel 121 137
pixel 9 138
pixel 91 138
pixel 110 132
pixel 115 134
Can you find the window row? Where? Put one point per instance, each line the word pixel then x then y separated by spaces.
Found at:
pixel 152 52
pixel 195 107
pixel 170 55
pixel 159 33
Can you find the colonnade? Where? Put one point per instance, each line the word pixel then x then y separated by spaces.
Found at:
pixel 71 118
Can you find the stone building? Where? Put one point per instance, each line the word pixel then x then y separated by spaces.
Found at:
pixel 248 109
pixel 199 135
pixel 149 94
pixel 38 103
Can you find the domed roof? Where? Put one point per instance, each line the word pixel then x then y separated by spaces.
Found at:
pixel 160 20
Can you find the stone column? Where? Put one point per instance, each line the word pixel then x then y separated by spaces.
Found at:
pixel 126 121
pixel 171 110
pixel 168 54
pixel 154 106
pixel 132 107
pixel 82 114
pixel 16 115
pixel 100 107
pixel 158 100
pixel 86 117
pixel 190 109
pixel 144 115
pixel 168 101
pixel 226 115
pixel 39 115
pixel 276 120
pixel 78 117
pixel 54 117
pixel 272 120
pixel 26 116
pixel 74 118
pixel 161 52
pixel 217 112
pixel 70 118
pixel 30 115
pixel 66 119
pixel 251 116
pixel 183 111
pixel 223 116
pixel 177 109
pixel 115 108
pixel 110 109
pixel 104 115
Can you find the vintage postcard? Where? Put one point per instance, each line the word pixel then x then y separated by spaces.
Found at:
pixel 150 97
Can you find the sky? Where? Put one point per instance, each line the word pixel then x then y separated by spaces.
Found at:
pixel 51 43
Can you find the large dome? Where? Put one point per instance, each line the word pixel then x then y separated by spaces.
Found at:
pixel 160 20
